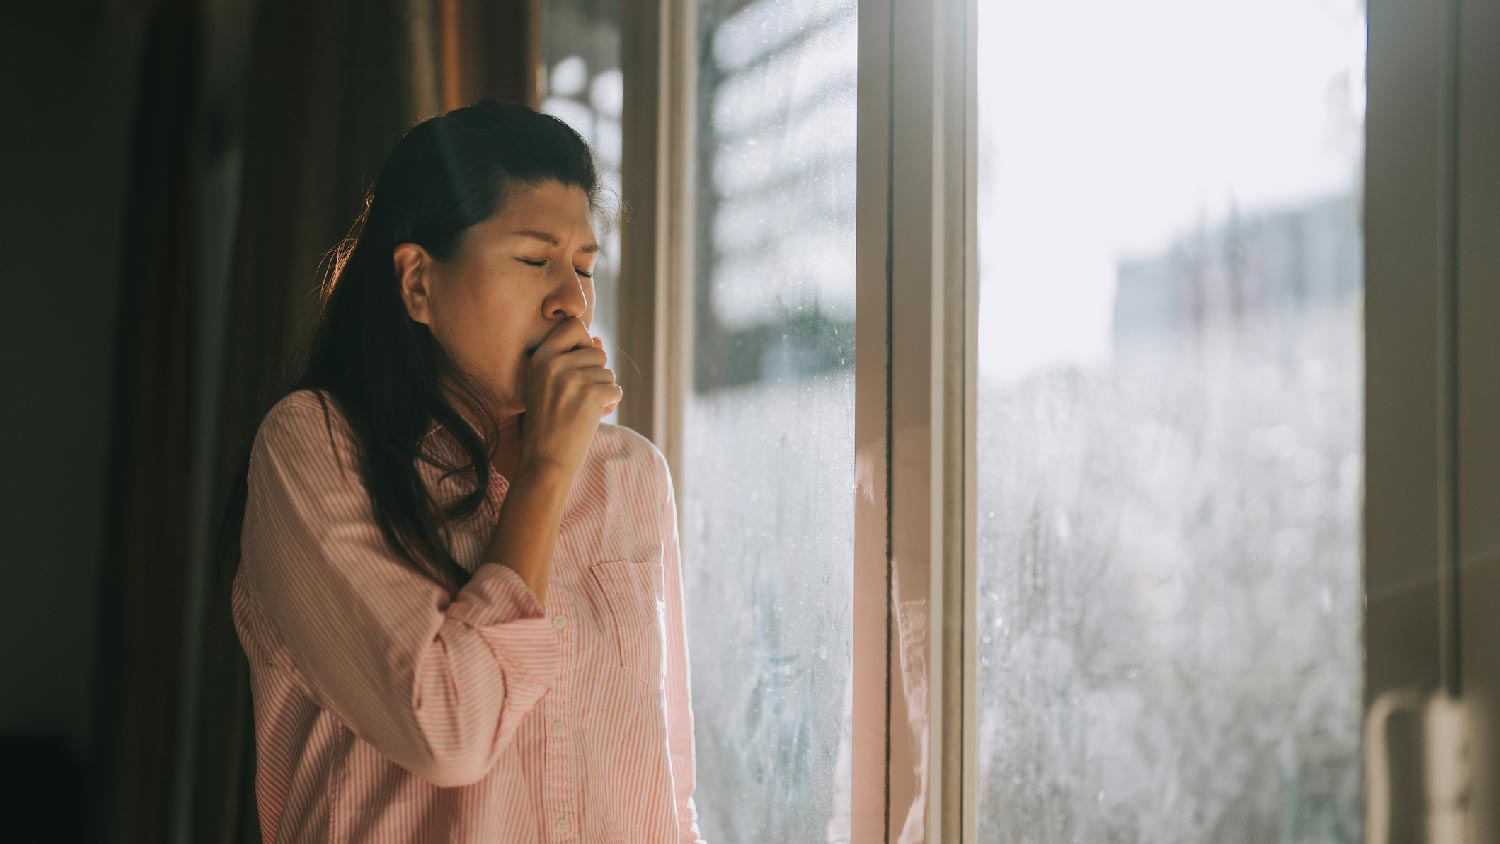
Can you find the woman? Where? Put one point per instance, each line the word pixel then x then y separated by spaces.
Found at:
pixel 459 593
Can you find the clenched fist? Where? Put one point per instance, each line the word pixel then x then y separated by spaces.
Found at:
pixel 568 390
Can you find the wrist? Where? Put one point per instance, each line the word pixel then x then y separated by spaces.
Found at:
pixel 545 470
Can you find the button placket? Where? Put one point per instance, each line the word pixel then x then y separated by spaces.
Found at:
pixel 559 767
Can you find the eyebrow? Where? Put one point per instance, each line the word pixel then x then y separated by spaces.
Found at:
pixel 549 238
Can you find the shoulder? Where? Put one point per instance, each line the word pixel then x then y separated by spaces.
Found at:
pixel 303 424
pixel 635 476
pixel 624 446
pixel 616 442
pixel 300 406
pixel 302 410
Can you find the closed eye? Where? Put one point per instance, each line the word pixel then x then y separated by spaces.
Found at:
pixel 542 262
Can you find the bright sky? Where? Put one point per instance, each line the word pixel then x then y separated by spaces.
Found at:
pixel 1106 127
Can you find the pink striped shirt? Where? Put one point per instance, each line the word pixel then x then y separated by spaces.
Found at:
pixel 386 712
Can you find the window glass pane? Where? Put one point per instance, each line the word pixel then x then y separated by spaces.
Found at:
pixel 768 470
pixel 584 88
pixel 1170 441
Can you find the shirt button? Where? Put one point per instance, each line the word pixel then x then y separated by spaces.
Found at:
pixel 562 824
pixel 558 728
pixel 559 621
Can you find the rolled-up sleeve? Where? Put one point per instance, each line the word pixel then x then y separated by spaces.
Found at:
pixel 678 685
pixel 438 686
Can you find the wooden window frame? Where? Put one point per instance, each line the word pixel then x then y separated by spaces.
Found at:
pixel 915 381
pixel 915 365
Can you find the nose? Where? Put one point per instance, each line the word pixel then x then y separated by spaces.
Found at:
pixel 566 299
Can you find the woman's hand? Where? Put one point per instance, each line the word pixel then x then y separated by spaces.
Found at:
pixel 568 390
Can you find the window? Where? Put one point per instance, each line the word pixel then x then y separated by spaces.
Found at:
pixel 768 430
pixel 1170 420
pixel 1071 549
pixel 584 88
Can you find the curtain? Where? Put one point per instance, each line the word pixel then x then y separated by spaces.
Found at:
pixel 332 87
pixel 146 565
pixel 239 190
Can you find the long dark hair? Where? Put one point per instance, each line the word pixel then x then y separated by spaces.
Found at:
pixel 384 370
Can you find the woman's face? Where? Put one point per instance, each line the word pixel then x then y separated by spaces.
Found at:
pixel 516 277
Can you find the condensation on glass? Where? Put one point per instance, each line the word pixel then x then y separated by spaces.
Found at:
pixel 584 88
pixel 1170 404
pixel 768 468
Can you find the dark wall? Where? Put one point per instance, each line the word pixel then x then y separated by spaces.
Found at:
pixel 69 71
pixel 137 343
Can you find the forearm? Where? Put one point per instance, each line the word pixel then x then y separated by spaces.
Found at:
pixel 525 533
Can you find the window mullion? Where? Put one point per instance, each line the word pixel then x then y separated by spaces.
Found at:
pixel 961 401
pixel 658 52
pixel 914 428
pixel 871 629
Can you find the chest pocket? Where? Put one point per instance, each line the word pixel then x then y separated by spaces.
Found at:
pixel 633 594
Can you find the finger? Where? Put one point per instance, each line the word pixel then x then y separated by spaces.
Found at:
pixel 611 394
pixel 587 357
pixel 566 336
